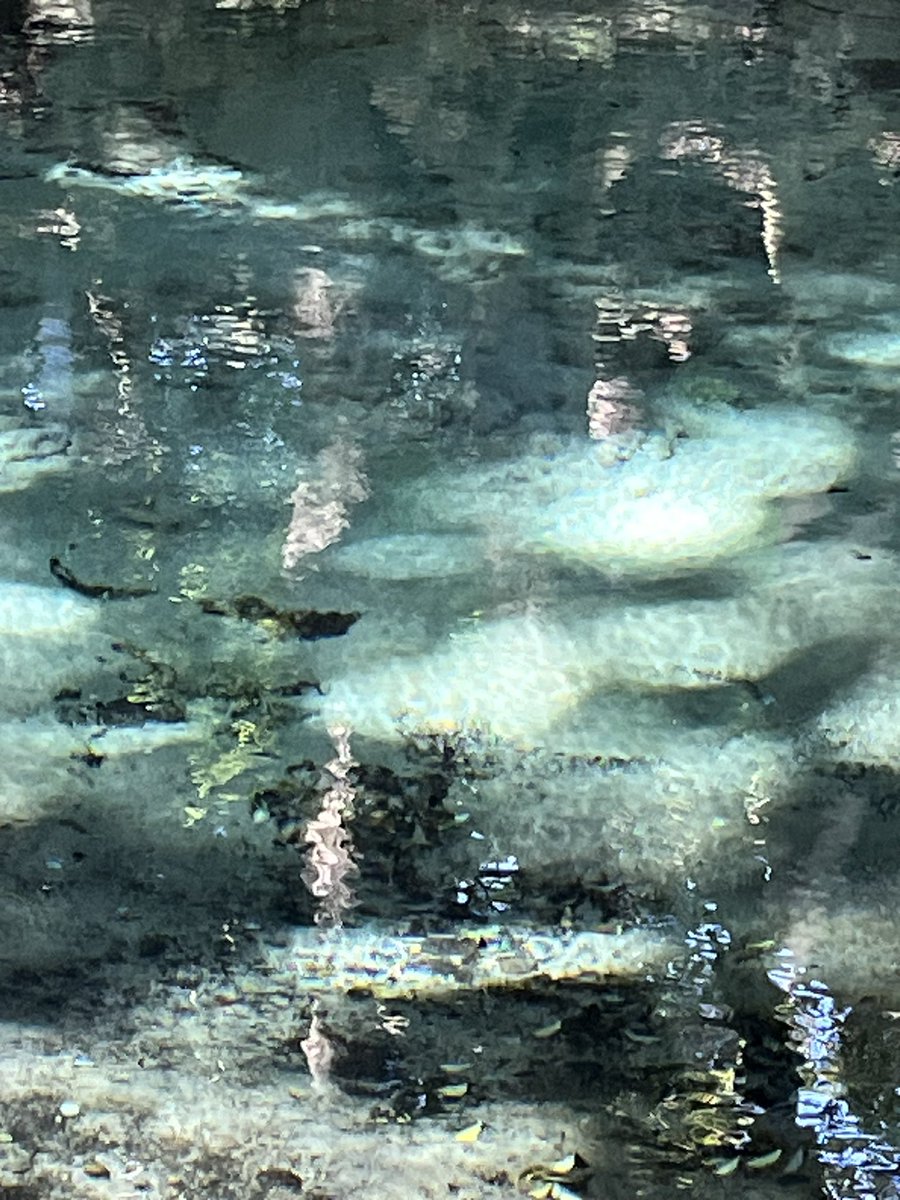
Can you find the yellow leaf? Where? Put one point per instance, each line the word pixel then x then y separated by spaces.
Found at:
pixel 562 1166
pixel 470 1134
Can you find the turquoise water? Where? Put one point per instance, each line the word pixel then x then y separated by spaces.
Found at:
pixel 448 465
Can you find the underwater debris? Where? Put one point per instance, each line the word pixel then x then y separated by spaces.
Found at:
pixel 252 742
pixel 182 180
pixel 726 1093
pixel 554 1181
pixel 144 739
pixel 96 591
pixel 74 709
pixel 470 1134
pixel 304 623
pixel 410 835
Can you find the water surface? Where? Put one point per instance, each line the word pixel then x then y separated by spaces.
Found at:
pixel 449 492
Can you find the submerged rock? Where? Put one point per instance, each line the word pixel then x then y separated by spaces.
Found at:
pixel 38 756
pixel 863 726
pixel 652 532
pixel 524 678
pixel 676 503
pixel 687 805
pixel 28 610
pixel 877 349
pixel 29 452
pixel 410 556
pixel 510 678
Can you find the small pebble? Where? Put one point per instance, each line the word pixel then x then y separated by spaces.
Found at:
pixel 69 1108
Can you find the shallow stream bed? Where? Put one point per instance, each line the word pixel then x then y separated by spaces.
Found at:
pixel 450 702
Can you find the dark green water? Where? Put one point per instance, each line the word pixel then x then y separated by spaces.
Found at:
pixel 448 486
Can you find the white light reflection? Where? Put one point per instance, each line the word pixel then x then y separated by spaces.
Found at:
pixel 321 504
pixel 885 151
pixel 10 95
pixel 620 320
pixel 318 1051
pixel 856 1165
pixel 122 432
pixel 109 322
pixel 59 223
pixel 641 20
pixel 742 168
pixel 613 164
pixel 493 879
pixel 577 37
pixel 612 407
pixel 61 21
pixel 315 307
pixel 55 361
pixel 329 859
pixel 250 5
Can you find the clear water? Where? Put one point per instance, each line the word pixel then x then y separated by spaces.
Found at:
pixel 344 348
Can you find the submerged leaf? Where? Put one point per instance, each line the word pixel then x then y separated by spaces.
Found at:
pixel 453 1091
pixel 764 1160
pixel 470 1134
pixel 725 1166
pixel 304 623
pixel 547 1031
